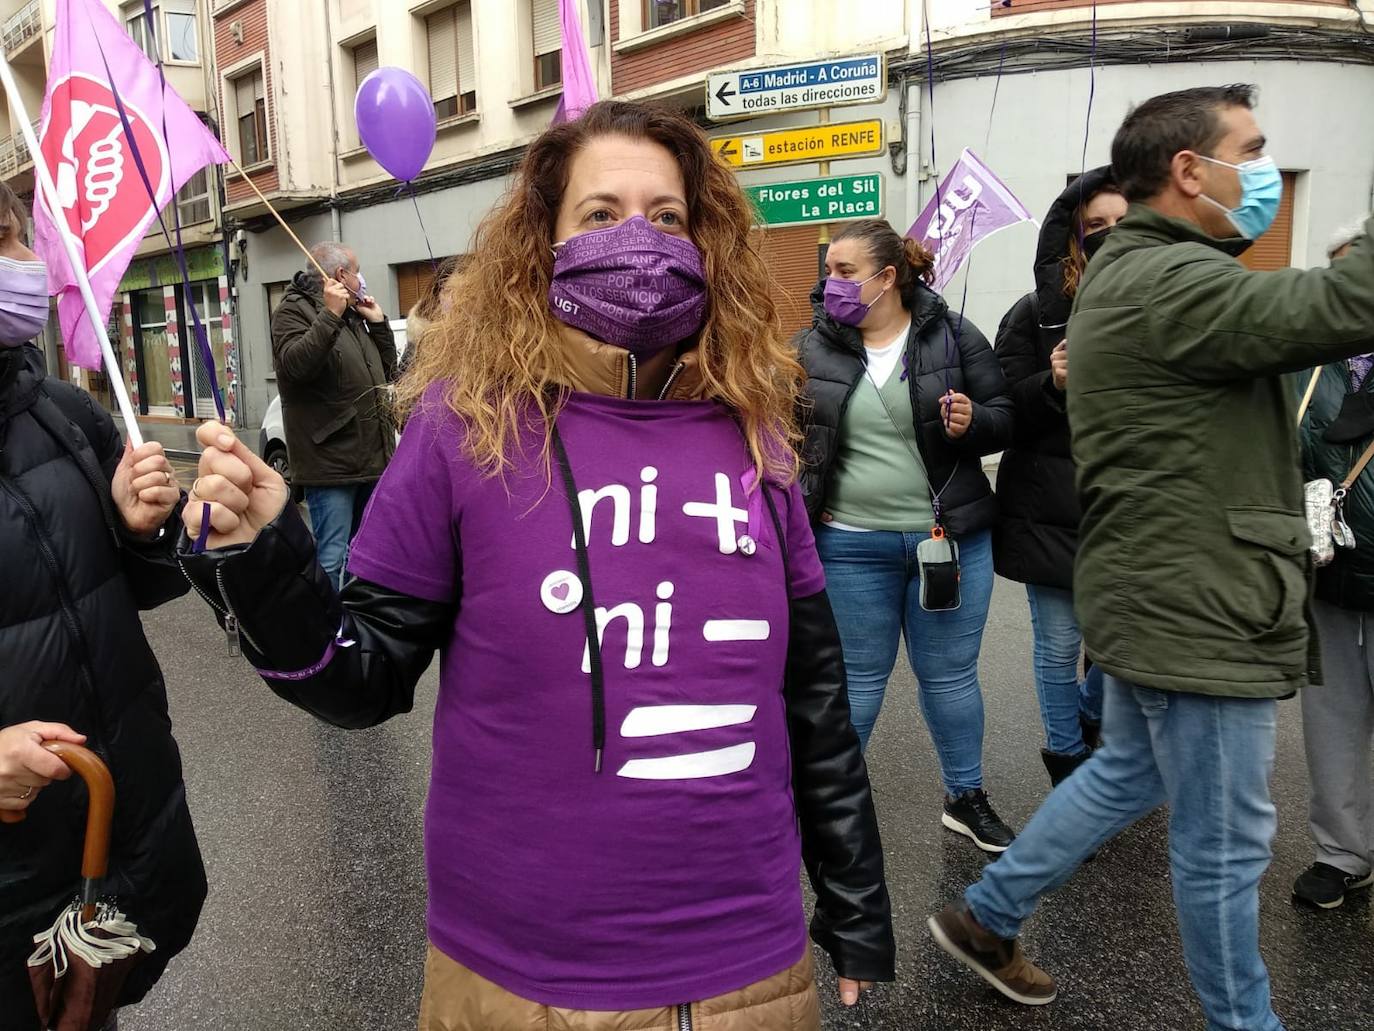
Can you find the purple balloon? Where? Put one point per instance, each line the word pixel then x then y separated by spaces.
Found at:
pixel 396 121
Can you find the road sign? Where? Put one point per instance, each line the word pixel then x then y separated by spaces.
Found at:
pixel 808 143
pixel 839 198
pixel 796 87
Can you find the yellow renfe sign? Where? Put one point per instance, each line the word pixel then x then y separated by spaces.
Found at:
pixel 794 146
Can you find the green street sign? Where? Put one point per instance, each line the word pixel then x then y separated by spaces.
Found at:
pixel 838 198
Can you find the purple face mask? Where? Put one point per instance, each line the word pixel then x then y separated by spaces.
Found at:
pixel 23 301
pixel 842 299
pixel 631 286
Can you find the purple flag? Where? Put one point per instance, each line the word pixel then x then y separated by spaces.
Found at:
pixel 579 81
pixel 91 158
pixel 970 206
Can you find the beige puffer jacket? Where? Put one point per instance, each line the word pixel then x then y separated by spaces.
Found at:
pixel 456 999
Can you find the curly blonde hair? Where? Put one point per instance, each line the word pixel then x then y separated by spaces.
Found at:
pixel 497 349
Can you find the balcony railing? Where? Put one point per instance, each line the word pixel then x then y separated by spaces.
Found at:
pixel 23 26
pixel 14 153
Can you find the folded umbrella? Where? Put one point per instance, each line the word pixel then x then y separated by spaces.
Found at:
pixel 83 960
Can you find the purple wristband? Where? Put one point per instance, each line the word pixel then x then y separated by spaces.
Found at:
pixel 310 671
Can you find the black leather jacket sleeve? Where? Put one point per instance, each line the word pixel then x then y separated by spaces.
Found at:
pixel 352 659
pixel 841 847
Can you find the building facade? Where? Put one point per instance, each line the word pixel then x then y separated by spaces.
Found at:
pixel 1035 87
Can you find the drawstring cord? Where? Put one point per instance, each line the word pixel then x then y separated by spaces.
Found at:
pixel 584 573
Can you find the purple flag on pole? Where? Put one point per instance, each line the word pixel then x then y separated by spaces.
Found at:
pixel 970 206
pixel 579 81
pixel 91 158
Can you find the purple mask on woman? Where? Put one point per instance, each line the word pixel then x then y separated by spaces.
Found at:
pixel 631 286
pixel 842 299
pixel 23 301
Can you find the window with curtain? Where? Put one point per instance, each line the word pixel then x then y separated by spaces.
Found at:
pixel 154 363
pixel 250 110
pixel 364 62
pixel 548 43
pixel 452 61
pixel 136 24
pixel 658 13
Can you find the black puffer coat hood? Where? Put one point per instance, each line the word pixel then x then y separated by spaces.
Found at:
pixel 72 651
pixel 1037 532
pixel 943 351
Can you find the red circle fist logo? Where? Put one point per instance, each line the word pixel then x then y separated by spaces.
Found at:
pixel 98 185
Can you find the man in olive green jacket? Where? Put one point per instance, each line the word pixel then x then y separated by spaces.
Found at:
pixel 1191 575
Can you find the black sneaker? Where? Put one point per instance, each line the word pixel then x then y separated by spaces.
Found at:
pixel 1324 886
pixel 972 815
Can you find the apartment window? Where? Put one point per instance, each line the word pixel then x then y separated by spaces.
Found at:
pixel 250 108
pixel 452 64
pixel 193 199
pixel 548 43
pixel 364 62
pixel 136 23
pixel 183 42
pixel 174 25
pixel 664 12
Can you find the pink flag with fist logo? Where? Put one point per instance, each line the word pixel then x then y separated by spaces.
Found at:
pixel 95 67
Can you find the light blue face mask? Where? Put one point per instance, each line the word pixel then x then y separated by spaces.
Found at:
pixel 1261 185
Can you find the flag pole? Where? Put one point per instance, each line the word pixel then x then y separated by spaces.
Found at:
pixel 48 192
pixel 280 221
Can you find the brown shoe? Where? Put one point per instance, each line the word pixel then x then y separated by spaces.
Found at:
pixel 1000 962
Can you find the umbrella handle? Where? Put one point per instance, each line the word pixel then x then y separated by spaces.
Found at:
pixel 95 859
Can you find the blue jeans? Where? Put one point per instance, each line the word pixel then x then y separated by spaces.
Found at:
pixel 1058 648
pixel 1210 759
pixel 875 588
pixel 335 515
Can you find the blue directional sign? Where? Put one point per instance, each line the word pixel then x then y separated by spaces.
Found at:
pixel 859 79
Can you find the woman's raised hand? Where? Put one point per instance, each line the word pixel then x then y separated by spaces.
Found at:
pixel 242 491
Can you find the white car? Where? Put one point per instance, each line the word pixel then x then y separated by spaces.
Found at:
pixel 272 439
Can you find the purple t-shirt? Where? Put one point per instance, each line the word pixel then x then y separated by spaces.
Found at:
pixel 672 875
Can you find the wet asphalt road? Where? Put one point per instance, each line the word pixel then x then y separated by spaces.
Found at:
pixel 312 838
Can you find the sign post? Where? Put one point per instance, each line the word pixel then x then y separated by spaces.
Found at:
pixel 796 87
pixel 818 201
pixel 804 144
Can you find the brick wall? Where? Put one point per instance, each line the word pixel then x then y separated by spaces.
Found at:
pixel 708 48
pixel 229 52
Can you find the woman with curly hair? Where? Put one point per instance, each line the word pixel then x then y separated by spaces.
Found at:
pixel 642 726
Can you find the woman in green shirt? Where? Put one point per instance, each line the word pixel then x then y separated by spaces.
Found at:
pixel 906 399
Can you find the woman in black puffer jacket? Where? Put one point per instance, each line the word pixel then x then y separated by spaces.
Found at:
pixel 1037 534
pixel 906 398
pixel 84 546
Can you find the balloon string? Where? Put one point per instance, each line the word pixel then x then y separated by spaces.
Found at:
pixel 410 186
pixel 1087 125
